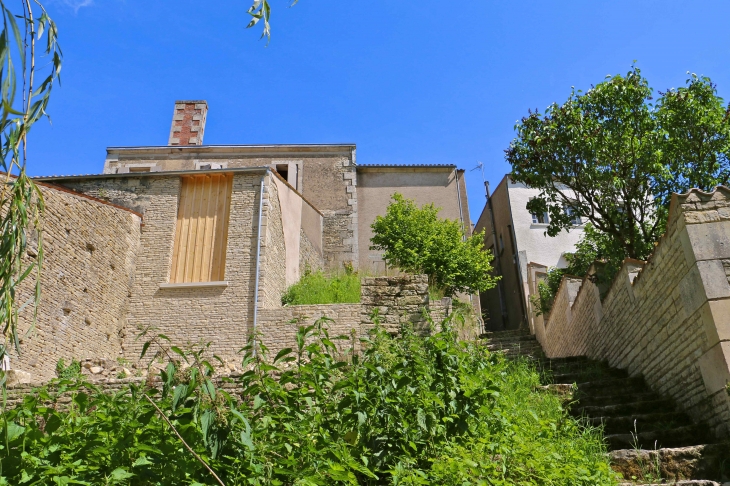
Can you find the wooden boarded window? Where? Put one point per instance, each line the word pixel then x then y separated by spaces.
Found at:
pixel 201 235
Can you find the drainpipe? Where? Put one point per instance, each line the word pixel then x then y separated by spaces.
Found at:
pixel 258 261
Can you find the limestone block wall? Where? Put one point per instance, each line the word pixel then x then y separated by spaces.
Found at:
pixel 272 272
pixel 396 299
pixel 310 259
pixel 86 280
pixel 339 230
pixel 222 314
pixel 667 319
pixel 278 328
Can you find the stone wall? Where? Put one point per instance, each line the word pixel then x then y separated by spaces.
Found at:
pixel 220 314
pixel 272 274
pixel 667 319
pixel 339 225
pixel 277 328
pixel 396 300
pixel 86 280
pixel 309 258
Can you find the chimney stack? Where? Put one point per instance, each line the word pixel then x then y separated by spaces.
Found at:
pixel 188 122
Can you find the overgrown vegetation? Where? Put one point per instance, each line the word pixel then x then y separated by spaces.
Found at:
pixel 592 248
pixel 416 240
pixel 322 288
pixel 409 410
pixel 615 154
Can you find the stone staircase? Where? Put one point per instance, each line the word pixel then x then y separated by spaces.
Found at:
pixel 649 440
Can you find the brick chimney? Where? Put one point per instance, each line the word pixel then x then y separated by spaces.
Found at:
pixel 188 122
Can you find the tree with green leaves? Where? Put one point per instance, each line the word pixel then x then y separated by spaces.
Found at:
pixel 25 90
pixel 614 156
pixel 416 240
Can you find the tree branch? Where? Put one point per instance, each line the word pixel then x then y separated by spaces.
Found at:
pixel 199 459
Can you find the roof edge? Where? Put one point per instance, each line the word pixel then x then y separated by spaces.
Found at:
pixel 237 170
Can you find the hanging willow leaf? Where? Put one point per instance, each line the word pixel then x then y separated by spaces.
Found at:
pixel 22 102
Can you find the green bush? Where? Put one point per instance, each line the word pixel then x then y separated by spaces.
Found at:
pixel 318 288
pixel 408 410
pixel 416 240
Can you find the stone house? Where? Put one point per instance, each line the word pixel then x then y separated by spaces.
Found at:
pixel 200 241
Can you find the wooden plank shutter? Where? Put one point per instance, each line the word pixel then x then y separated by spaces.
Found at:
pixel 201 234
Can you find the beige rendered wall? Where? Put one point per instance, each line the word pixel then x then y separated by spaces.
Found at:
pixel 377 185
pixel 291 220
pixel 667 319
pixel 221 315
pixel 505 264
pixel 87 276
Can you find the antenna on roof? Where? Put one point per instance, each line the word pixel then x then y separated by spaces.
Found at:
pixel 484 180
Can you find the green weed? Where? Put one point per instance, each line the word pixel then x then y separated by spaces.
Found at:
pixel 319 288
pixel 408 410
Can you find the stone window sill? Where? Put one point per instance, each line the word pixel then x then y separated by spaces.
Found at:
pixel 194 285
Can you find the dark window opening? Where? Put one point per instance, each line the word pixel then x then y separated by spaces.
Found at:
pixel 283 170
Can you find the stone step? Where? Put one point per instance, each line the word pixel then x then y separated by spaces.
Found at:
pixel 683 436
pixel 699 462
pixel 531 341
pixel 610 385
pixel 640 422
pixel 503 334
pixel 621 397
pixel 618 410
pixel 581 376
pixel 518 354
pixel 510 339
pixel 524 349
pixel 560 364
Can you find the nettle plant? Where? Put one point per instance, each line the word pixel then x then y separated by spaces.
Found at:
pixel 407 410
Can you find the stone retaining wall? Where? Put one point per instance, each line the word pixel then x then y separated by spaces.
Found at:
pixel 667 319
pixel 86 281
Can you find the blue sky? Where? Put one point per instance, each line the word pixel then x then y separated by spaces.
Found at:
pixel 407 81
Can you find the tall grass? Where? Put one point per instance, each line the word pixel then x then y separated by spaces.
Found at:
pixel 320 288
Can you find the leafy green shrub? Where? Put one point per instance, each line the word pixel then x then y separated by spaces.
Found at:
pixel 72 371
pixel 319 288
pixel 408 410
pixel 416 240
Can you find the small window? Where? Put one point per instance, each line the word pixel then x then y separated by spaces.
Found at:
pixel 501 243
pixel 209 166
pixel 201 234
pixel 139 169
pixel 575 218
pixel 540 218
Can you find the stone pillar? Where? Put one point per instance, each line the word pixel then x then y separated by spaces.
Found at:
pixel 704 228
